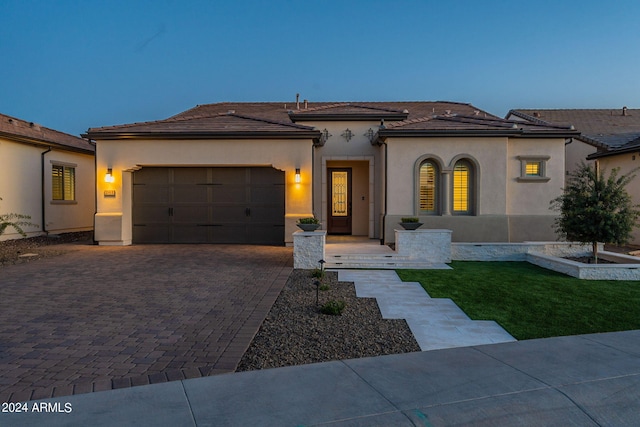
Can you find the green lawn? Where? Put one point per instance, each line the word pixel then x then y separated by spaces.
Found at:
pixel 532 302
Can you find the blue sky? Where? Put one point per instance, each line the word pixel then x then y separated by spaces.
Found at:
pixel 71 65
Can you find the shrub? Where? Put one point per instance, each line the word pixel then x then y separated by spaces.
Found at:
pixel 333 307
pixel 311 220
pixel 410 219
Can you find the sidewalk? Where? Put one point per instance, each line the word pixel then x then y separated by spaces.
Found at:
pixel 586 380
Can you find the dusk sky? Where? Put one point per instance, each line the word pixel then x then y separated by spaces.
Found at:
pixel 71 65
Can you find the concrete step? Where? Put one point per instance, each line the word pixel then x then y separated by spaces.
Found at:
pixel 388 265
pixel 347 256
pixel 377 261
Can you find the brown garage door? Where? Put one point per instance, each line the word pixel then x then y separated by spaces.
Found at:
pixel 208 205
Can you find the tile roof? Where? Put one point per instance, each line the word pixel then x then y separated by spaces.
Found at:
pixel 475 123
pixel 246 119
pixel 605 128
pixel 32 133
pixel 279 111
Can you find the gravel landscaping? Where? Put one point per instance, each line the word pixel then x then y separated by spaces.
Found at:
pixel 296 333
pixel 25 250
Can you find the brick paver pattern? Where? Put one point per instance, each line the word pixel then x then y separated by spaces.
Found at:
pixel 98 318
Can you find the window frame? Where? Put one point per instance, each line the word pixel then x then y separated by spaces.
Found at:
pixel 471 178
pixel 68 172
pixel 436 187
pixel 530 159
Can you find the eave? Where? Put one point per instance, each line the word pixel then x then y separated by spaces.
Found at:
pixel 41 143
pixel 600 154
pixel 383 134
pixel 116 135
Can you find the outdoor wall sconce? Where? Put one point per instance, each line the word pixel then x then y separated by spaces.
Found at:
pixel 298 179
pixel 109 176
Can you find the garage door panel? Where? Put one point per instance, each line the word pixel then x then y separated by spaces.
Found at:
pixel 151 233
pixel 143 214
pixel 230 233
pixel 209 205
pixel 190 193
pixel 265 214
pixel 265 234
pixel 273 194
pixel 191 214
pixel 262 175
pixel 190 176
pixel 147 193
pixel 229 176
pixel 156 176
pixel 229 193
pixel 189 233
pixel 228 214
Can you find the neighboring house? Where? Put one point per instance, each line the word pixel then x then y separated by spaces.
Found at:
pixel 245 172
pixel 578 147
pixel 610 137
pixel 48 175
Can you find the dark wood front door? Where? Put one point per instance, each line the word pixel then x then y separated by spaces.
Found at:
pixel 339 197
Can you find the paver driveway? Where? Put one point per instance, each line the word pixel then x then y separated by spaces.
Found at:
pixel 98 318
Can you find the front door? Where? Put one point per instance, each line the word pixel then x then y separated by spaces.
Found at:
pixel 339 201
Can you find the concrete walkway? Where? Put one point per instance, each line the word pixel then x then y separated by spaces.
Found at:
pixel 436 323
pixel 590 380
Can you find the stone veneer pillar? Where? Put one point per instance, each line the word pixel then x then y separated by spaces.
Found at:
pixel 308 249
pixel 427 245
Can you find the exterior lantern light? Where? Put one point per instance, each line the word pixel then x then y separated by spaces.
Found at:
pixel 298 179
pixel 109 176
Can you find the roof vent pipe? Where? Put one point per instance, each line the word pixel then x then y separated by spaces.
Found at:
pixel 306 104
pixel 624 111
pixel 297 101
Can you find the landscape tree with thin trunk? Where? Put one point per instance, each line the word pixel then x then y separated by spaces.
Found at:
pixel 594 208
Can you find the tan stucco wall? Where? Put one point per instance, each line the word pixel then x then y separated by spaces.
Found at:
pixel 113 218
pixel 532 198
pixel 403 155
pixel 357 151
pixel 576 152
pixel 506 210
pixel 20 189
pixel 626 163
pixel 63 217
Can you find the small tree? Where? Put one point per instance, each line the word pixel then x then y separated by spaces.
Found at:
pixel 16 221
pixel 596 209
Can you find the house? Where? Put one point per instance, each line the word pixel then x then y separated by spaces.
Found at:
pixel 48 175
pixel 245 172
pixel 610 137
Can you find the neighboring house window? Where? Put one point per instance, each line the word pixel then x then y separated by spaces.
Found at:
pixel 63 182
pixel 428 194
pixel 462 194
pixel 533 168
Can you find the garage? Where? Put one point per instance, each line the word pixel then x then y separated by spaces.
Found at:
pixel 233 205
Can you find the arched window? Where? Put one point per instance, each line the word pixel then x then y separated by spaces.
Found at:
pixel 428 187
pixel 462 193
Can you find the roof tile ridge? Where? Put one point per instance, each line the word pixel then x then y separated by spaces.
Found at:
pixel 408 122
pixel 532 119
pixel 322 107
pixel 361 104
pixel 275 122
